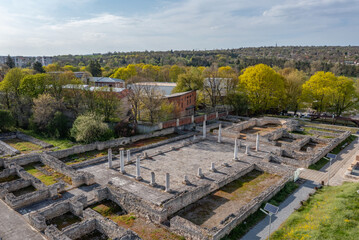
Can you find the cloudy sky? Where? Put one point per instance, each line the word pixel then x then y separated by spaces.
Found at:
pixel 52 27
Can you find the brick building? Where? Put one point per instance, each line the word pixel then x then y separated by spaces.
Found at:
pixel 185 102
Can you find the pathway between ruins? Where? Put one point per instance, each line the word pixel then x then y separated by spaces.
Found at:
pixel 14 227
pixel 337 169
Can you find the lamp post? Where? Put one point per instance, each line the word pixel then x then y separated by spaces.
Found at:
pixel 330 164
pixel 270 210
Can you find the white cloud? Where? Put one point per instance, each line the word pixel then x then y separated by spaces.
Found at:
pixel 189 24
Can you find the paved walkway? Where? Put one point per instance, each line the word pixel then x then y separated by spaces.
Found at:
pixel 337 169
pixel 286 208
pixel 14 227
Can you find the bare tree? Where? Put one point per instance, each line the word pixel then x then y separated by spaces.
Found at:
pixel 134 95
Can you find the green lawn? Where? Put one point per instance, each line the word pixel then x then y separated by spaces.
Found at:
pixel 332 213
pixel 59 143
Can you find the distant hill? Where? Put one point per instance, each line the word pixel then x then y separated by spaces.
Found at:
pixel 294 56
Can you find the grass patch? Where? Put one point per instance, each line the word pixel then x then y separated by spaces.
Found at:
pixel 22 146
pixel 318 165
pixel 48 180
pixel 332 213
pixel 241 229
pixel 59 143
pixel 341 145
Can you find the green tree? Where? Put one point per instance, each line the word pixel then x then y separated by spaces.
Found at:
pixel 238 102
pixel 90 128
pixel 45 107
pixel 293 81
pixel 263 86
pixel 10 62
pixel 344 95
pixel 38 67
pixel 108 103
pixel 6 120
pixel 318 90
pixel 191 80
pixel 34 85
pixel 95 69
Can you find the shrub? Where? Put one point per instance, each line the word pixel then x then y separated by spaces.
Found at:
pixel 90 128
pixel 6 120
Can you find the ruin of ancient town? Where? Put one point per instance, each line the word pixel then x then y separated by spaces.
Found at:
pixel 199 181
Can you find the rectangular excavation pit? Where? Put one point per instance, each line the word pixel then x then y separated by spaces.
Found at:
pixel 23 191
pixel 22 145
pixel 145 229
pixel 261 130
pixel 94 235
pixel 211 210
pixel 9 178
pixel 46 174
pixel 284 140
pixel 64 220
pixel 311 144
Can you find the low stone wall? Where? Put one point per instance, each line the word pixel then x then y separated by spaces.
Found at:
pixel 187 198
pixel 31 198
pixel 91 221
pixel 75 205
pixel 33 140
pixel 108 144
pixel 193 231
pixel 23 160
pixel 78 178
pixel 324 151
pixel 188 229
pixel 132 203
pixel 325 134
pixel 7 149
pixel 234 219
pixel 133 151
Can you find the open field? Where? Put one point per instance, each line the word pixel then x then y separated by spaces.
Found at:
pixel 58 143
pixel 332 213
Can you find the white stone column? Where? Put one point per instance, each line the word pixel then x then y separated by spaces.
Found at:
pixel 205 117
pixel 257 142
pixel 200 174
pixel 216 115
pixel 167 187
pixel 153 179
pixel 235 154
pixel 128 155
pixel 220 133
pixel 194 138
pixel 177 122
pixel 192 118
pixel 186 181
pixel 247 149
pixel 204 129
pixel 122 162
pixel 213 169
pixel 138 168
pixel 109 156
